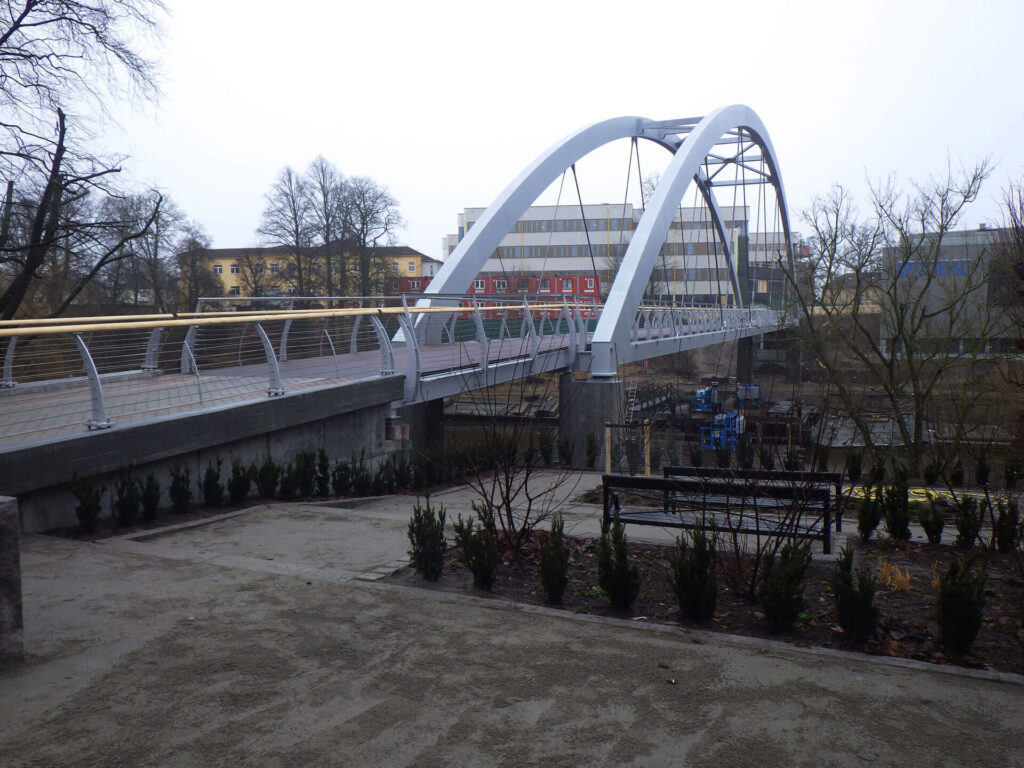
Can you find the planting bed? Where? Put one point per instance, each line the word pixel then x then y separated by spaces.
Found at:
pixel 907 626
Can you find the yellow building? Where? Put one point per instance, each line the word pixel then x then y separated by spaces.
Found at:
pixel 274 271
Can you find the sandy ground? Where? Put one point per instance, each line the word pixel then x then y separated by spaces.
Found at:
pixel 262 639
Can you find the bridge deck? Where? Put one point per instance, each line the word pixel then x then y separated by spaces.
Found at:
pixel 48 410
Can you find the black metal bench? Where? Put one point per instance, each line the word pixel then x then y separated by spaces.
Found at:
pixel 760 502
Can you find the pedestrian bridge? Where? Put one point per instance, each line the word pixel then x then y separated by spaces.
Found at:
pixel 68 375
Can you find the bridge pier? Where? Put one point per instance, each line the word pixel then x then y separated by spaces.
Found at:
pixel 426 424
pixel 584 405
pixel 745 360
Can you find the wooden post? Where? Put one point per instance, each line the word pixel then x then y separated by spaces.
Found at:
pixel 647 447
pixel 607 447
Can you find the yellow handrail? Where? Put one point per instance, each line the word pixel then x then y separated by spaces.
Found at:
pixel 51 326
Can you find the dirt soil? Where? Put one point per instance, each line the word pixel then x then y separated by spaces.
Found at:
pixel 907 626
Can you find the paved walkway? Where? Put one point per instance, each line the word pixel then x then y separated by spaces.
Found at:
pixel 263 639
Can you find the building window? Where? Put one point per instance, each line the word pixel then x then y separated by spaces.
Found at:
pixel 590 283
pixel 545 285
pixel 218 269
pixel 395 285
pixel 394 266
pixel 501 285
pixel 522 285
pixel 479 285
pixel 414 285
pixel 274 269
pixel 566 285
pixel 257 269
pixel 234 269
pixel 412 266
pixel 234 291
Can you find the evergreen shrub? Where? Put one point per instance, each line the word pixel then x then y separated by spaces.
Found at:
pixel 126 499
pixel 693 575
pixel 181 488
pixel 854 597
pixel 961 602
pixel 616 575
pixel 781 592
pixel 239 483
pixel 89 495
pixel 479 546
pixel 213 488
pixel 554 560
pixel 968 517
pixel 426 536
pixel 150 497
pixel 266 478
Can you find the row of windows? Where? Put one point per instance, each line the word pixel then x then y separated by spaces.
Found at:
pixel 601 251
pixel 573 225
pixel 544 284
pixel 958 268
pixel 601 225
pixel 257 269
pixel 560 251
pixel 311 268
pixel 694 274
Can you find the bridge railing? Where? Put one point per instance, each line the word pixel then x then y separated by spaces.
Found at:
pixel 463 335
pixel 656 321
pixel 59 374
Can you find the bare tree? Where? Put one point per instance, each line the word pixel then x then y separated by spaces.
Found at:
pixel 327 190
pixel 54 53
pixel 61 218
pixel 371 220
pixel 147 262
pixel 287 221
pixel 513 469
pixel 257 275
pixel 1007 283
pixel 897 321
pixel 195 278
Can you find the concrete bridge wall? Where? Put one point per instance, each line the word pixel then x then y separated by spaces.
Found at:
pixel 342 420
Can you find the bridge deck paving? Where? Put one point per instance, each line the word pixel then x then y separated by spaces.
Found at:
pixel 195 647
pixel 32 413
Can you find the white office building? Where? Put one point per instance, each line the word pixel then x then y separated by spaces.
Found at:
pixel 553 240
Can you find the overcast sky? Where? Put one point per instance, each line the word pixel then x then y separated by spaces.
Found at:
pixel 445 102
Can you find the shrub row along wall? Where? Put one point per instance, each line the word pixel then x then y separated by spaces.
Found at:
pixel 342 420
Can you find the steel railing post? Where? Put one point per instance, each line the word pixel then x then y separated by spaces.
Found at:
pixel 274 387
pixel 99 418
pixel 152 359
pixel 481 335
pixel 186 348
pixel 8 380
pixel 387 365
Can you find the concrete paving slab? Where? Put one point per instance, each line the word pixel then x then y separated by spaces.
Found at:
pixel 137 657
pixel 311 538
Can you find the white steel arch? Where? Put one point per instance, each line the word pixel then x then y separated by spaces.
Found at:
pixel 613 328
pixel 690 139
pixel 480 242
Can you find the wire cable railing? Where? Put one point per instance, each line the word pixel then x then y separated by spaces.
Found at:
pixel 63 374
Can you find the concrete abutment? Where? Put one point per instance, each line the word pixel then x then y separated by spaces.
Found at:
pixel 344 421
pixel 584 406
